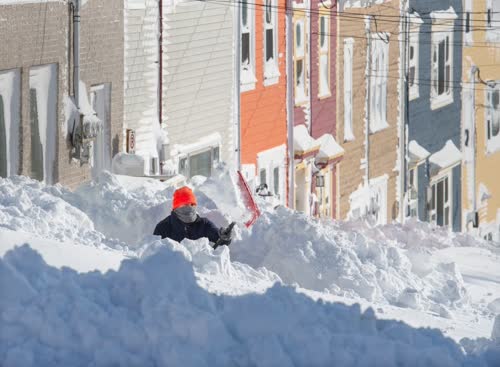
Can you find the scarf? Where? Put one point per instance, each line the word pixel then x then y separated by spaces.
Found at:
pixel 186 214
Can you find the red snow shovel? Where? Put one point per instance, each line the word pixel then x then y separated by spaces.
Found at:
pixel 248 200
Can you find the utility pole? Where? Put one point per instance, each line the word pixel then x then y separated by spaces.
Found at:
pixel 404 112
pixel 289 102
pixel 368 99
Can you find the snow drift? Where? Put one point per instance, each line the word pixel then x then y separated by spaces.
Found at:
pixel 153 312
pixel 185 304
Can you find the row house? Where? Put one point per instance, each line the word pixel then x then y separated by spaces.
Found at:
pixel 41 136
pixel 316 152
pixel 481 118
pixel 368 109
pixel 433 124
pixel 180 84
pixel 263 93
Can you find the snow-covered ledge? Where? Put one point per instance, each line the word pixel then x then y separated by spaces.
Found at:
pixel 417 153
pixel 329 149
pixel 447 157
pixel 444 15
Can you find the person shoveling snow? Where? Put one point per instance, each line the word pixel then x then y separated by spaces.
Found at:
pixel 184 222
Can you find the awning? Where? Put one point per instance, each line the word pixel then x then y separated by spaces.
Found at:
pixel 416 152
pixel 329 149
pixel 303 144
pixel 447 157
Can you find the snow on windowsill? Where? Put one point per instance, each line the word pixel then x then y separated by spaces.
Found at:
pixel 247 80
pixel 493 35
pixel 271 72
pixel 376 126
pixel 441 101
pixel 484 193
pixel 324 95
pixel 440 15
pixel 348 136
pixel 493 145
pixel 209 141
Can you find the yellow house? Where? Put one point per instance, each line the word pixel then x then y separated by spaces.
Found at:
pixel 481 118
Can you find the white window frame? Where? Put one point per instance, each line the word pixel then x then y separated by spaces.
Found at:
pixel 247 78
pixel 413 191
pixel 184 165
pixel 268 161
pixel 413 63
pixel 492 21
pixel 439 35
pixel 301 94
pixel 271 68
pixel 10 90
pixel 447 175
pixel 492 120
pixel 324 91
pixel 379 70
pixel 348 87
pixel 467 21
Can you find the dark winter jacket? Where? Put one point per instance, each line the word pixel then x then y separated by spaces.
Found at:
pixel 172 227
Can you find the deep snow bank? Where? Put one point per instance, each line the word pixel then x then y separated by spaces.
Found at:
pixel 153 312
pixel 340 259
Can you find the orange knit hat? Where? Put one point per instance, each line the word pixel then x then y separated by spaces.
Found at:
pixel 183 196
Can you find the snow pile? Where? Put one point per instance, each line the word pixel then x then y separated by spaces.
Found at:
pixel 153 312
pixel 345 261
pixel 30 206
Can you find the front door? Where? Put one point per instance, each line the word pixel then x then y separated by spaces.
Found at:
pixel 100 98
pixel 440 202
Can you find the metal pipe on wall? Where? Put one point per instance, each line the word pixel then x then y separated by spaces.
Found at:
pixel 237 86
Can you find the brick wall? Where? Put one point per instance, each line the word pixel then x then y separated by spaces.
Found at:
pixel 39 34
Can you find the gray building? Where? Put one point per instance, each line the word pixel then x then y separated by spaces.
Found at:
pixel 433 180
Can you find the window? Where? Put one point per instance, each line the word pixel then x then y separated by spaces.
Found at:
pixel 378 84
pixel 440 212
pixel 493 20
pixel 3 141
pixel 276 181
pixel 10 119
pixel 442 68
pixel 492 114
pixel 324 54
pixel 262 176
pixel 300 71
pixel 36 143
pixel 413 192
pixel 348 58
pixel 271 71
pixel 247 47
pixel 468 22
pixel 199 164
pixel 413 74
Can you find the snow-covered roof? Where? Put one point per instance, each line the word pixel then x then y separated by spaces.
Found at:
pixel 448 156
pixel 416 152
pixel 444 14
pixel 302 141
pixel 328 148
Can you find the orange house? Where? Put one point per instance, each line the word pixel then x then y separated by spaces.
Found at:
pixel 263 96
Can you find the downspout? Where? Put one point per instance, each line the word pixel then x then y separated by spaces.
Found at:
pixel 76 52
pixel 403 113
pixel 368 100
pixel 473 71
pixel 160 62
pixel 237 85
pixel 290 102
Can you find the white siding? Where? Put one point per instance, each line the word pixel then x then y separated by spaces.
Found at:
pixel 141 72
pixel 198 72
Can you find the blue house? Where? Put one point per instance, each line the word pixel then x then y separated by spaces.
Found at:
pixel 433 157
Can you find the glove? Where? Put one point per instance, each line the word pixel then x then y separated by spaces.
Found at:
pixel 225 236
